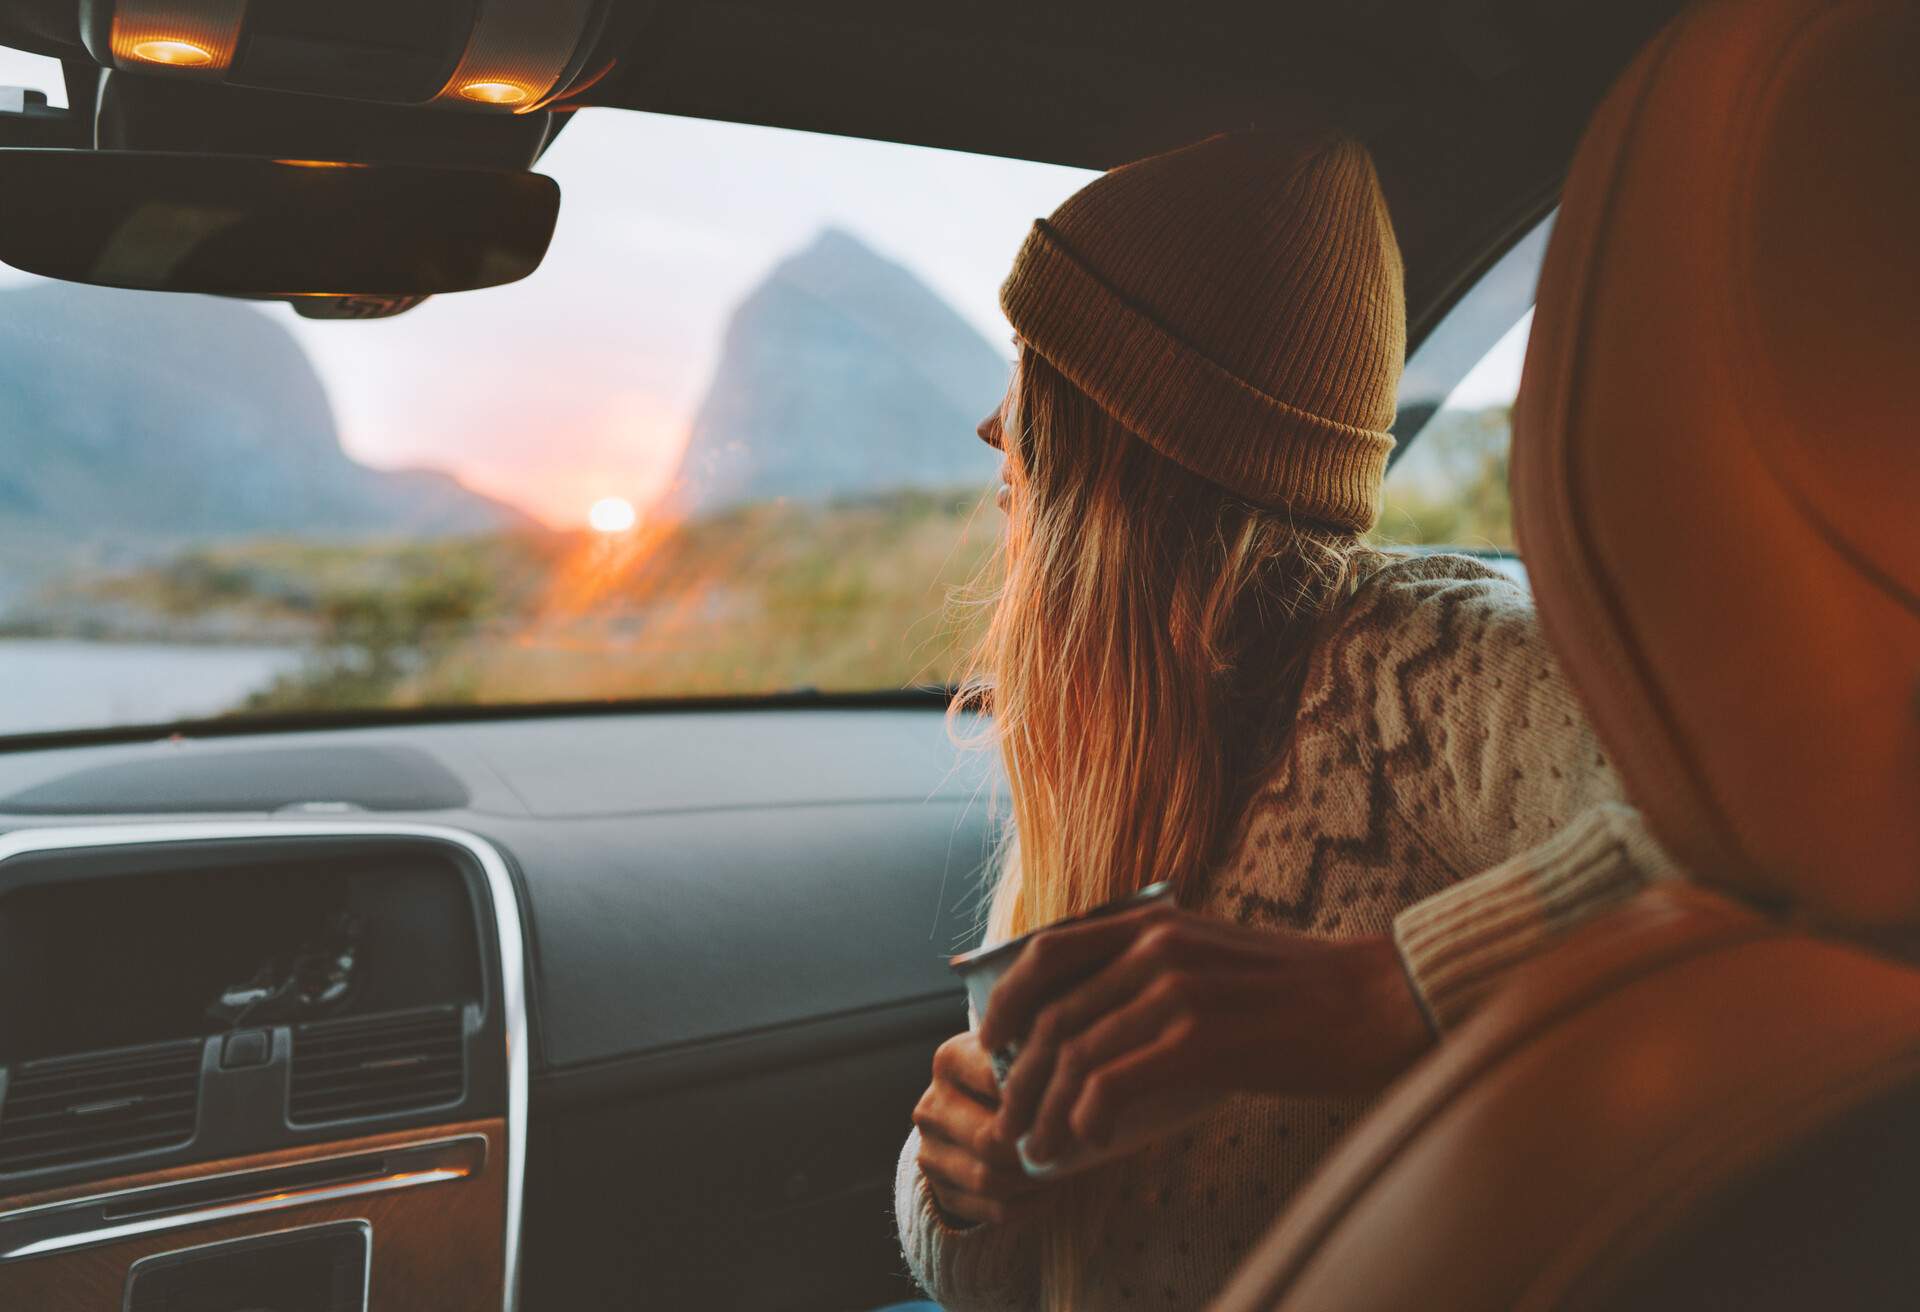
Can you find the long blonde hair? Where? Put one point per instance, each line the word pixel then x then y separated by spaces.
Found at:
pixel 1143 659
pixel 1141 666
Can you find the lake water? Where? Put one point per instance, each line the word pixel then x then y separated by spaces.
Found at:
pixel 61 684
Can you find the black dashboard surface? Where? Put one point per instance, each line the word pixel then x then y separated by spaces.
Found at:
pixel 686 877
pixel 738 925
pixel 387 777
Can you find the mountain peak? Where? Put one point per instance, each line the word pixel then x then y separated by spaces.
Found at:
pixel 842 372
pixel 148 418
pixel 834 240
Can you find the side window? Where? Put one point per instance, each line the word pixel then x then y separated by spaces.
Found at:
pixel 1447 486
pixel 32 73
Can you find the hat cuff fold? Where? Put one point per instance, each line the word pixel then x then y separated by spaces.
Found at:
pixel 1168 393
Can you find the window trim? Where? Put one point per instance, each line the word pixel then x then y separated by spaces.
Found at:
pixel 1496 299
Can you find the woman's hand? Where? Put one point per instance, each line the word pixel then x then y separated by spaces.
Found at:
pixel 973 1170
pixel 1123 1013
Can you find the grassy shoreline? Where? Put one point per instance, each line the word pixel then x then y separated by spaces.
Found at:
pixel 851 594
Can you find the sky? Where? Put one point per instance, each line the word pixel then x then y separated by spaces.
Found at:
pixel 579 382
pixel 604 352
pixel 1496 379
pixel 36 72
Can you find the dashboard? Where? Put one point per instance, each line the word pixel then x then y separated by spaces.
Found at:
pixel 614 1008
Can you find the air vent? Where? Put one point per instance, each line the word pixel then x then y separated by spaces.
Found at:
pixel 64 1110
pixel 376 1065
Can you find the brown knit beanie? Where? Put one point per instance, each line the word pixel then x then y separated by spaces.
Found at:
pixel 1237 304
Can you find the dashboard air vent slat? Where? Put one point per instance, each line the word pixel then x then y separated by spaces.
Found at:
pixel 376 1065
pixel 339 1082
pixel 56 1093
pixel 63 1110
pixel 377 1046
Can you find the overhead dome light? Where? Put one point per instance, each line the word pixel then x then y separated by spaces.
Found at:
pixel 168 50
pixel 493 91
pixel 509 56
pixel 185 38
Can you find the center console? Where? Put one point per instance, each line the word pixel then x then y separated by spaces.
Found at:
pixel 317 1268
pixel 267 1065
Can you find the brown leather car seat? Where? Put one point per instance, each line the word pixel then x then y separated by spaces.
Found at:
pixel 1710 1098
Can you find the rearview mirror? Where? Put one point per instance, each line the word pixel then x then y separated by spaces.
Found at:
pixel 241 225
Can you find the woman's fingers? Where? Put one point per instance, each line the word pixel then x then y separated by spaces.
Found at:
pixel 1138 1075
pixel 1052 960
pixel 957 1166
pixel 959 1205
pixel 956 1114
pixel 1061 1021
pixel 973 1171
pixel 962 1062
pixel 958 1122
pixel 1086 1060
pixel 1144 1015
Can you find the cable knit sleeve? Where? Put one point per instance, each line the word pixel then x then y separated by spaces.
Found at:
pixel 982 1268
pixel 1459 944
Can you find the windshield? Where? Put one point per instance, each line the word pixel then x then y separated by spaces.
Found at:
pixel 720 443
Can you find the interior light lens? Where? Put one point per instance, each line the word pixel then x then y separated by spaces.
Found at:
pixel 171 50
pixel 492 91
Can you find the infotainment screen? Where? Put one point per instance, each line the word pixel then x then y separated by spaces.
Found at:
pixel 93 963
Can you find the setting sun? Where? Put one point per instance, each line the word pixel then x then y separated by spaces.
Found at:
pixel 611 515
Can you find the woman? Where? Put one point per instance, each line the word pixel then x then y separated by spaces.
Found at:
pixel 1200 672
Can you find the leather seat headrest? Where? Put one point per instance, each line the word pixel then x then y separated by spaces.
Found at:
pixel 1717 447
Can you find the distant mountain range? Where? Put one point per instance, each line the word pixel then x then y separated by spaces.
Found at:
pixel 135 424
pixel 841 373
pixel 133 420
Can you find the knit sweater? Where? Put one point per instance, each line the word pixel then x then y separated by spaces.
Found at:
pixel 1440 784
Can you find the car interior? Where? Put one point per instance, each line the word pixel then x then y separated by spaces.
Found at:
pixel 414 974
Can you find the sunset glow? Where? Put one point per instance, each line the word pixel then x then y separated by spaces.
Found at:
pixel 585 380
pixel 718 446
pixel 611 515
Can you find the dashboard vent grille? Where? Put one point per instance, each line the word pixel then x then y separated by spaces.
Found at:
pixel 63 1110
pixel 376 1065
